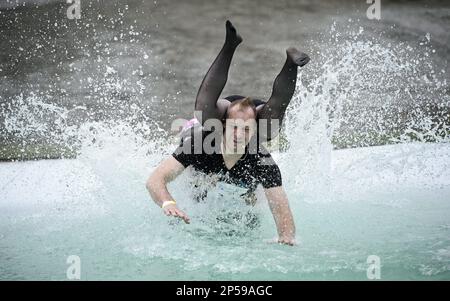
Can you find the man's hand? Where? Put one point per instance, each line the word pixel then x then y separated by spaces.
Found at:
pixel 172 210
pixel 286 241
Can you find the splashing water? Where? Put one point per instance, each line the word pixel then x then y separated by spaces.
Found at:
pixel 390 201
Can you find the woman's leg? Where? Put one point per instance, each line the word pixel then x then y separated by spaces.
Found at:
pixel 283 90
pixel 216 78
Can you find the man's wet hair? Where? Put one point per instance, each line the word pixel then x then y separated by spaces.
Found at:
pixel 243 104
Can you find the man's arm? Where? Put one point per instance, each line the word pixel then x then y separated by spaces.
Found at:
pixel 279 205
pixel 156 184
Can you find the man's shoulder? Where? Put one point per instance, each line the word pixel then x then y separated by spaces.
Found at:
pixel 267 170
pixel 194 141
pixel 265 158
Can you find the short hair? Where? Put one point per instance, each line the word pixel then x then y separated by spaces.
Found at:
pixel 244 104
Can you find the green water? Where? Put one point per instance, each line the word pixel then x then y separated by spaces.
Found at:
pixel 118 233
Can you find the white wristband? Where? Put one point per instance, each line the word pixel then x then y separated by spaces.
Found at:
pixel 167 203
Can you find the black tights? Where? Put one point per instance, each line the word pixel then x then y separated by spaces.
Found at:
pixel 217 75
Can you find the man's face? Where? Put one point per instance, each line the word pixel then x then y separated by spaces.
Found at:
pixel 239 128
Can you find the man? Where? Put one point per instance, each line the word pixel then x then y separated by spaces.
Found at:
pixel 234 156
pixel 234 159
